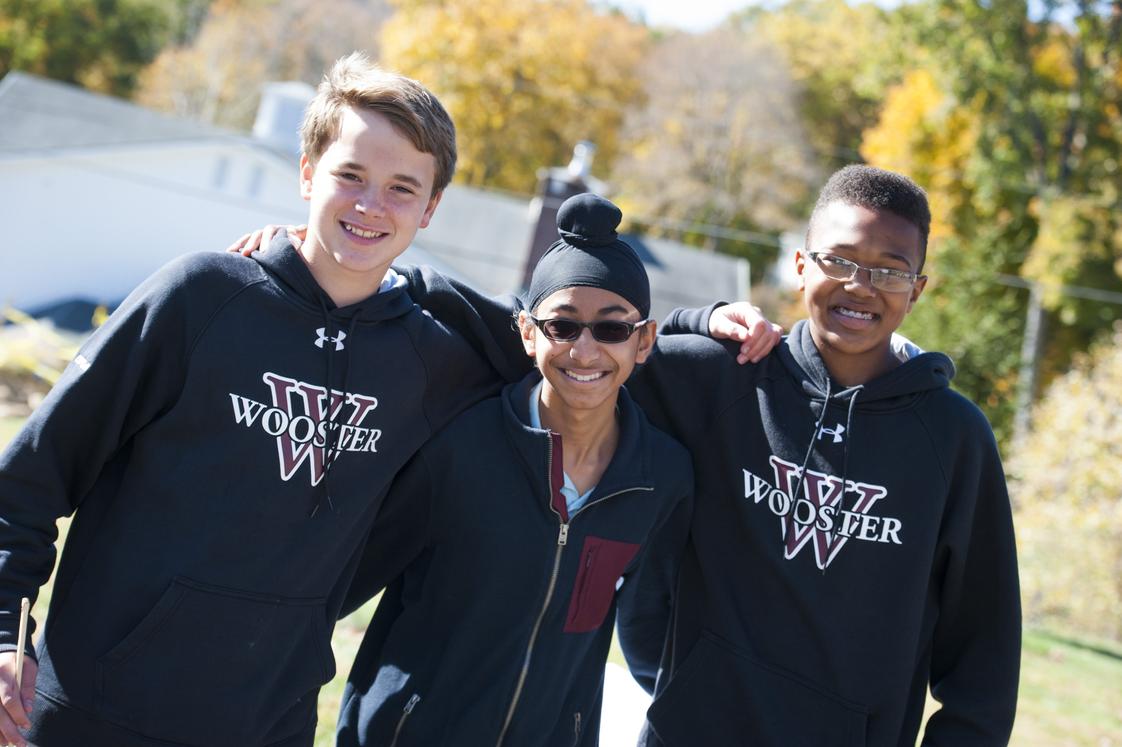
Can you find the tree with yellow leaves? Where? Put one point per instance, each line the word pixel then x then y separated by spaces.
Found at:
pixel 215 76
pixel 524 80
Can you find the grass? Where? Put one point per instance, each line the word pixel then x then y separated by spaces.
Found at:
pixel 1071 693
pixel 1071 689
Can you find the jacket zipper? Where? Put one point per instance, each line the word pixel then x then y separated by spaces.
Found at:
pixel 414 699
pixel 576 729
pixel 562 540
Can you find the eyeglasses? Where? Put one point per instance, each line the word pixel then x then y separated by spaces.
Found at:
pixel 568 330
pixel 882 278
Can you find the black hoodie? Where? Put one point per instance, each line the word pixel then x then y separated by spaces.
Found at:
pixel 211 546
pixel 827 628
pixel 497 630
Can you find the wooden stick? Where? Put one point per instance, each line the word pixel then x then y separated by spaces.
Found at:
pixel 24 609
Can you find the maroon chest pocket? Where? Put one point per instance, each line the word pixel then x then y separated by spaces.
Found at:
pixel 601 564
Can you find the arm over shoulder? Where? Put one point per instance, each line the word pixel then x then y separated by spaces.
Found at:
pixel 487 323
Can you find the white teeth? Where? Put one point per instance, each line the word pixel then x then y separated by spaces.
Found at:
pixel 588 377
pixel 854 314
pixel 360 233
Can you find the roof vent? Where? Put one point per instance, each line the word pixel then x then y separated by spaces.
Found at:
pixel 280 114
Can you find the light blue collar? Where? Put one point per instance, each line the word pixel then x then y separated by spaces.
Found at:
pixel 573 499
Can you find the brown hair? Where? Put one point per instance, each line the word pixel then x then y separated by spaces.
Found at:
pixel 410 107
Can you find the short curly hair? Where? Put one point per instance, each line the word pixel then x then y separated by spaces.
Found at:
pixel 878 189
pixel 411 108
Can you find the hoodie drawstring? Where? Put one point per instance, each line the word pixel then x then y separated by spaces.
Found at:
pixel 851 393
pixel 806 459
pixel 331 440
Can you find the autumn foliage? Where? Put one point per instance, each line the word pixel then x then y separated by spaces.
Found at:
pixel 1067 485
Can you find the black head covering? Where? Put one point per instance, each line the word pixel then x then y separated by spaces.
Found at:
pixel 590 253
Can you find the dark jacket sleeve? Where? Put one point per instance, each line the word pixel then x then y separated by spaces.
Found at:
pixel 486 323
pixel 399 534
pixel 128 372
pixel 688 321
pixel 976 649
pixel 646 600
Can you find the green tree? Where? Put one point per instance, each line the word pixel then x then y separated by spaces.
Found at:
pixel 842 57
pixel 524 80
pixel 1018 143
pixel 1068 496
pixel 99 44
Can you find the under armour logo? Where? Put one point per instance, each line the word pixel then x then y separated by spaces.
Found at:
pixel 835 432
pixel 323 337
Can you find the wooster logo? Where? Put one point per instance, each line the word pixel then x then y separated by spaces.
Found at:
pixel 819 517
pixel 298 419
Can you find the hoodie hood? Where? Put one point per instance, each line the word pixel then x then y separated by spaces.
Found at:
pixel 896 388
pixel 285 265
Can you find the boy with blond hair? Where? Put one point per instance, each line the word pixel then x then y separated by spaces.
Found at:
pixel 222 460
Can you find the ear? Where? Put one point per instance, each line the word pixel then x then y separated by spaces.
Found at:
pixel 917 290
pixel 800 267
pixel 433 202
pixel 526 330
pixel 307 171
pixel 647 335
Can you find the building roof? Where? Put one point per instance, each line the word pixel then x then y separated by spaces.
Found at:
pixel 43 114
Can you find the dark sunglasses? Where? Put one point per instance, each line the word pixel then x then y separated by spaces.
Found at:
pixel 568 330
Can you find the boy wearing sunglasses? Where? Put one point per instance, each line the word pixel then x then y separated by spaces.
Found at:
pixel 852 543
pixel 507 540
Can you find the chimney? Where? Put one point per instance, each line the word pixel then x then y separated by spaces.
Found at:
pixel 555 185
pixel 280 113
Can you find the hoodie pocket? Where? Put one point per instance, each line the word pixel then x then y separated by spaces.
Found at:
pixel 602 562
pixel 210 665
pixel 721 695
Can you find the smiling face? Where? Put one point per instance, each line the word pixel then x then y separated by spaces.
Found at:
pixel 369 192
pixel 585 374
pixel 852 322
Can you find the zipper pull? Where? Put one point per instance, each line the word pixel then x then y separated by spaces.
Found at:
pixel 413 701
pixel 563 536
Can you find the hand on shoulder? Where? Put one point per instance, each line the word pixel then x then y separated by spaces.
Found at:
pixel 262 237
pixel 744 323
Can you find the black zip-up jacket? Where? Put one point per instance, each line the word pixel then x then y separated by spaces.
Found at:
pixel 497 629
pixel 210 548
pixel 827 626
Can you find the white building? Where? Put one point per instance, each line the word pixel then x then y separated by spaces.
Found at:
pixel 96 193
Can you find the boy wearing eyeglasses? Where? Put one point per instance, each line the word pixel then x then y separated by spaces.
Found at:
pixel 507 541
pixel 852 543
